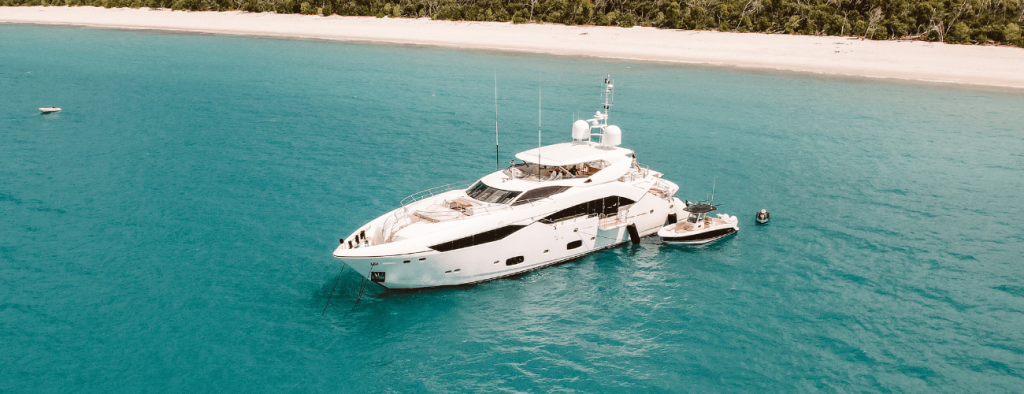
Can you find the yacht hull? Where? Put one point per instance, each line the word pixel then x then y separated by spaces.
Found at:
pixel 538 245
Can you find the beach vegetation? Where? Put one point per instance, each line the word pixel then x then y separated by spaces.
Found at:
pixel 960 34
pixel 190 5
pixel 950 21
pixel 1013 34
pixel 627 20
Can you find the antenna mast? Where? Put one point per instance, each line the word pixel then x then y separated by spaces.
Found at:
pixel 608 96
pixel 540 113
pixel 497 166
pixel 713 184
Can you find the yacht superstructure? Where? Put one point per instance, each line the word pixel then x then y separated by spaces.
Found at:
pixel 559 202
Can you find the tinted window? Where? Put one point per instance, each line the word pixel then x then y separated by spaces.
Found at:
pixel 539 193
pixel 477 239
pixel 573 245
pixel 604 206
pixel 514 260
pixel 484 193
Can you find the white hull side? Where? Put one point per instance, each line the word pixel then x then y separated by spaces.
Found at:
pixel 539 245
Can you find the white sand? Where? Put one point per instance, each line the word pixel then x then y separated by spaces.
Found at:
pixel 980 65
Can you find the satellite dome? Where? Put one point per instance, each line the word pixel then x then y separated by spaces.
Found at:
pixel 612 136
pixel 580 130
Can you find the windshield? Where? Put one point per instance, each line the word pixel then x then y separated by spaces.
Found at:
pixel 484 193
pixel 539 193
pixel 693 218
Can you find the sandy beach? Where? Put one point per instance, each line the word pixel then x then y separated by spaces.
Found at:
pixel 934 62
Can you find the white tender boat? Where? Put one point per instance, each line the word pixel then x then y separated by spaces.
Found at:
pixel 560 202
pixel 698 228
pixel 47 110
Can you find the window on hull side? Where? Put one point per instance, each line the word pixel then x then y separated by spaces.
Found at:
pixel 483 193
pixel 604 206
pixel 478 239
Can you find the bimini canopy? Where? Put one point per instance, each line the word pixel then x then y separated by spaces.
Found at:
pixel 569 153
pixel 700 208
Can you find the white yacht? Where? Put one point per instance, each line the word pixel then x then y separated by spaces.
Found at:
pixel 558 203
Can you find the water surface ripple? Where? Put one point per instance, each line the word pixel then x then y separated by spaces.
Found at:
pixel 171 229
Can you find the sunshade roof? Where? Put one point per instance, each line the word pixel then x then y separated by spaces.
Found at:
pixel 569 153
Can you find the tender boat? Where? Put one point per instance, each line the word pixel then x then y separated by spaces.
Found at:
pixel 47 110
pixel 557 203
pixel 698 228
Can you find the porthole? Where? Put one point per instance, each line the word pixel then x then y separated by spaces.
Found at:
pixel 423 259
pixel 547 250
pixel 406 262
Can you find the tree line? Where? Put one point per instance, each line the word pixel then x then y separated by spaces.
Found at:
pixel 951 21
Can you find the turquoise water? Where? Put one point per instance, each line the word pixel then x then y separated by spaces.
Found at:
pixel 171 229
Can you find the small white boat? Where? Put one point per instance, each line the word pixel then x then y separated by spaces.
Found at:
pixel 698 228
pixel 47 110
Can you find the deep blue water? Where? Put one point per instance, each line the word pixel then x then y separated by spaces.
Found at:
pixel 171 229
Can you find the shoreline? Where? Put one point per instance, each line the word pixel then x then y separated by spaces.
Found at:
pixel 994 66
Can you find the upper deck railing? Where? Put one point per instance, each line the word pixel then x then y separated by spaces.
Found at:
pixel 402 217
pixel 640 171
pixel 424 194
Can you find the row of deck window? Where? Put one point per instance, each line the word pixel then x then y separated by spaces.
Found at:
pixel 482 192
pixel 603 206
pixel 477 239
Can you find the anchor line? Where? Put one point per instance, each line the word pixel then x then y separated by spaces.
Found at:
pixel 332 290
pixel 362 287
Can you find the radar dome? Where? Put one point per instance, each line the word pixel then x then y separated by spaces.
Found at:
pixel 612 136
pixel 580 130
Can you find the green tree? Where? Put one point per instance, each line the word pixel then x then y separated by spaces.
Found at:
pixel 959 34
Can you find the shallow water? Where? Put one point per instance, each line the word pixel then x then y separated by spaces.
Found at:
pixel 171 229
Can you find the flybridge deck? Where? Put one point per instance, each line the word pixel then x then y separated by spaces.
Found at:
pixel 569 161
